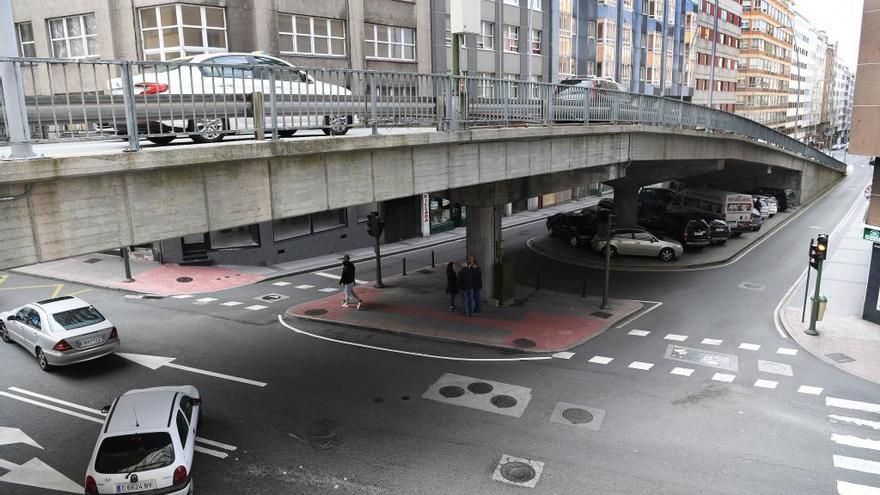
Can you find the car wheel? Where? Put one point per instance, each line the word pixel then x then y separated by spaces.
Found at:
pixel 41 360
pixel 207 130
pixel 335 125
pixel 4 334
pixel 573 241
pixel 613 251
pixel 666 254
pixel 161 139
pixel 286 133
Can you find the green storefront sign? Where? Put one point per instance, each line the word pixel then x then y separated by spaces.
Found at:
pixel 871 233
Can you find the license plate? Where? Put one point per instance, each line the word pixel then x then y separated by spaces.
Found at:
pixel 91 341
pixel 136 487
pixel 699 232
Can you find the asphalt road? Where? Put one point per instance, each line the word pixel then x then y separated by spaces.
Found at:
pixel 334 418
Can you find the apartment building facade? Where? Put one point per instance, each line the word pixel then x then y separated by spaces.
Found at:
pixel 720 27
pixel 765 62
pixel 844 90
pixel 807 71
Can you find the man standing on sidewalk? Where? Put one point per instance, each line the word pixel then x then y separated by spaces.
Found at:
pixel 466 287
pixel 347 282
pixel 477 278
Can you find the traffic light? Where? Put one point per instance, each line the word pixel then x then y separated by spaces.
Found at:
pixel 814 251
pixel 822 247
pixel 375 225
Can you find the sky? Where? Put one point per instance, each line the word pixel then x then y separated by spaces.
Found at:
pixel 841 19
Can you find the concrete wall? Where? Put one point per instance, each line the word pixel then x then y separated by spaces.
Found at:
pixel 89 203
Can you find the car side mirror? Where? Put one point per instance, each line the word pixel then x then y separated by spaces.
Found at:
pixel 12 318
pixel 197 402
pixel 106 409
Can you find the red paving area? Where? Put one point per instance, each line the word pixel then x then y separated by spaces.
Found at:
pixel 163 280
pixel 395 310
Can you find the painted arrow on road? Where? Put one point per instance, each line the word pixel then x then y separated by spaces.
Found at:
pixel 9 436
pixel 156 362
pixel 38 474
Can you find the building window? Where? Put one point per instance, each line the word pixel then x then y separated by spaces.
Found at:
pixel 288 228
pixel 486 39
pixel 536 88
pixel 462 37
pixel 311 35
pixel 237 237
pixel 485 86
pixel 25 34
pixel 512 2
pixel 172 31
pixel 511 38
pixel 536 42
pixel 389 42
pixel 535 5
pixel 74 37
pixel 513 86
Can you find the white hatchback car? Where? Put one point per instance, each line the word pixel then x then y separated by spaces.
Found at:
pixel 147 443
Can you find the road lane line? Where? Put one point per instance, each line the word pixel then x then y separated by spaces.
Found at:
pixel 856 464
pixel 54 408
pixel 854 421
pixel 846 488
pixel 853 441
pixel 57 401
pixel 410 353
pixel 56 291
pixel 215 374
pixel 215 453
pixel 213 443
pixel 852 404
pixel 628 320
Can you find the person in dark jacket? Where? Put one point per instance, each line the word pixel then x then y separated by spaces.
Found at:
pixel 477 276
pixel 451 284
pixel 466 287
pixel 347 283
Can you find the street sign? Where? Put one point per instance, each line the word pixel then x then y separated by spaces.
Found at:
pixel 871 233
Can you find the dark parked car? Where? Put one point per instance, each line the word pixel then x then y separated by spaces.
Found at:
pixel 655 199
pixel 575 227
pixel 606 204
pixel 785 198
pixel 687 228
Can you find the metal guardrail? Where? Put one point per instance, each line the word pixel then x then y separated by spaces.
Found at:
pixel 161 101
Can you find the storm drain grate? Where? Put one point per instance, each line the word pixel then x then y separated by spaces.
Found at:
pixel 577 416
pixel 518 471
pixel 315 312
pixel 839 357
pixel 184 280
pixel 480 388
pixel 451 391
pixel 525 343
pixel 601 314
pixel 503 401
pixel 92 260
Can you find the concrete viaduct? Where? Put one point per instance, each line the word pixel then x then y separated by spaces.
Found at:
pixel 52 208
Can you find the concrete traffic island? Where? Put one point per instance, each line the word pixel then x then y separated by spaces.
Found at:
pixel 416 305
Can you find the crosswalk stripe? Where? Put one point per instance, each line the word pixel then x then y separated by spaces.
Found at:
pixel 215 453
pixel 682 371
pixel 766 383
pixel 328 289
pixel 639 365
pixel 231 303
pixel 256 307
pixel 807 389
pixel 213 443
pixel 638 333
pixel 852 441
pixel 856 464
pixel 305 286
pixel 846 488
pixel 749 347
pixel 281 284
pixel 854 421
pixel 182 296
pixel 786 351
pixel 852 404
pixel 711 341
pixel 600 360
pixel 723 377
pixel 675 337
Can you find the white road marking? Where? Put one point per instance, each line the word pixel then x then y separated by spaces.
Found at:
pixel 213 443
pixel 182 296
pixel 853 441
pixel 335 277
pixel 57 401
pixel 281 284
pixel 563 355
pixel 711 341
pixel 639 365
pixel 482 402
pixel 852 404
pixel 854 421
pixel 806 389
pixel 786 351
pixel 749 347
pixel 627 321
pixel 255 307
pixel 212 452
pixel 156 362
pixel 205 300
pixel 408 353
pixel 638 333
pixel 816 227
pixel 328 289
pixel 54 408
pixel 846 488
pixel 37 473
pixel 231 303
pixel 856 464
pixel 600 360
pixel 675 337
pixel 766 384
pixel 682 371
pixel 723 377
pixel 11 436
pixel 304 286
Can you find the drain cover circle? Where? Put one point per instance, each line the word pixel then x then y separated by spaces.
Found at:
pixel 517 472
pixel 577 416
pixel 184 280
pixel 451 391
pixel 524 343
pixel 480 388
pixel 503 401
pixel 315 312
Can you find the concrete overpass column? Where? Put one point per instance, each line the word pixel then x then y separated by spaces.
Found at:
pixel 483 231
pixel 626 204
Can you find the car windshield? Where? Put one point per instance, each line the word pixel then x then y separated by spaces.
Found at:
pixel 132 453
pixel 78 318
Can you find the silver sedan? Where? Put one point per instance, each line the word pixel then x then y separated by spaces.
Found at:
pixel 59 331
pixel 639 242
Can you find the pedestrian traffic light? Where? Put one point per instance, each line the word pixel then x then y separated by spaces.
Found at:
pixel 375 225
pixel 821 247
pixel 814 251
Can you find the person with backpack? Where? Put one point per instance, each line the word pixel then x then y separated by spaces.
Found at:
pixel 347 283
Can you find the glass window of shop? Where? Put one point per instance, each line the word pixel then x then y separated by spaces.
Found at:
pixel 445 215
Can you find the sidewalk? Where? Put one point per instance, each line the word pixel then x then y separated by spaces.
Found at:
pixel 106 271
pixel 845 340
pixel 415 305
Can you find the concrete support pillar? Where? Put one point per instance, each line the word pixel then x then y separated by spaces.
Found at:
pixel 626 204
pixel 483 231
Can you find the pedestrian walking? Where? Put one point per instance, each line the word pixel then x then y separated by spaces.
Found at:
pixel 466 287
pixel 477 276
pixel 347 283
pixel 451 285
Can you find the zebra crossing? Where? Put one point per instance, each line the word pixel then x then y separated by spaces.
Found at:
pixel 241 301
pixel 856 445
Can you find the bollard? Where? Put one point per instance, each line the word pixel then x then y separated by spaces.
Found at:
pixel 432 259
pixel 404 267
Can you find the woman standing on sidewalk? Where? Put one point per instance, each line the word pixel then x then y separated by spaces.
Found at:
pixel 451 284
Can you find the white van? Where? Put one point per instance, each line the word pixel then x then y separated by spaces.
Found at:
pixel 734 208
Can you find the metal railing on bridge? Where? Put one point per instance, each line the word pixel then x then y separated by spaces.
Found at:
pixel 70 100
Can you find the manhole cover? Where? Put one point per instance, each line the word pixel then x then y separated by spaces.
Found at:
pixel 480 387
pixel 839 357
pixel 184 280
pixel 503 401
pixel 577 416
pixel 601 314
pixel 92 260
pixel 315 312
pixel 517 472
pixel 321 435
pixel 425 271
pixel 524 343
pixel 451 391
